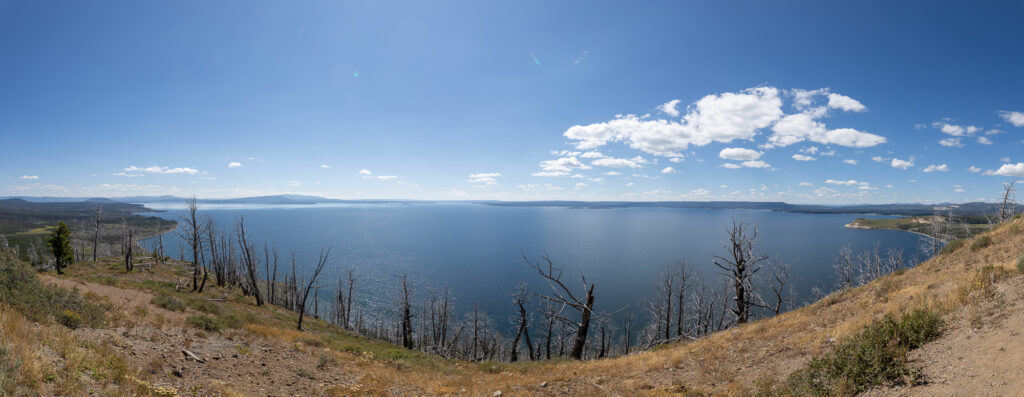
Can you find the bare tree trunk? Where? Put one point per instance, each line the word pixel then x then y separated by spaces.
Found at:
pixel 406 308
pixel 740 266
pixel 324 253
pixel 250 260
pixel 96 232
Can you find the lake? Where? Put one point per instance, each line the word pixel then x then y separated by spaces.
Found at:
pixel 475 250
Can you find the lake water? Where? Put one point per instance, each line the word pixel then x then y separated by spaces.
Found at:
pixel 475 249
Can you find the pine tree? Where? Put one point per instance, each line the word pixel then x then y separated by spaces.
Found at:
pixel 60 242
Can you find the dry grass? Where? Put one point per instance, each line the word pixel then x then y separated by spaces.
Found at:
pixel 732 362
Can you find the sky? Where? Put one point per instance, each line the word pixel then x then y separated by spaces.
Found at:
pixel 796 101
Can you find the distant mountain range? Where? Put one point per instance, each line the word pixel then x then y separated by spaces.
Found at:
pixel 974 208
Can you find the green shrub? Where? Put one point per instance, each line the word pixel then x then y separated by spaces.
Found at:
pixel 205 323
pixel 22 290
pixel 876 356
pixel 214 324
pixel 981 242
pixel 204 306
pixel 952 246
pixel 1020 263
pixel 168 302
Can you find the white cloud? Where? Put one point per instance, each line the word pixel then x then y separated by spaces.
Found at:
pixel 580 185
pixel 488 178
pixel 850 161
pixel 803 99
pixel 902 164
pixel 592 155
pixel 293 183
pixel 669 108
pixel 613 173
pixel 714 118
pixel 1015 118
pixel 850 182
pixel 1005 159
pixel 732 166
pixel 583 55
pixel 577 176
pixel 984 140
pixel 560 167
pixel 994 132
pixel 1016 170
pixel 386 177
pixel 951 142
pixel 679 160
pixel 799 127
pixel 806 184
pixel 325 166
pixel 234 164
pixel 974 169
pixel 364 171
pixel 668 170
pixel 29 177
pixel 369 175
pixel 739 154
pixel 877 159
pixel 620 163
pixel 845 103
pixel 162 170
pixel 801 157
pixel 700 192
pixel 724 186
pixel 933 168
pixel 630 184
pixel 755 164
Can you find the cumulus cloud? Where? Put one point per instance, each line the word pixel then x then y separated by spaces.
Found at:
pixel 592 155
pixel 739 154
pixel 366 174
pixel 974 169
pixel 668 170
pixel 755 164
pixel 234 164
pixel 732 166
pixel 849 182
pixel 325 166
pixel 801 127
pixel 806 184
pixel 714 118
pixel 669 108
pixel 933 168
pixel 635 162
pixel 845 103
pixel 902 164
pixel 700 192
pixel 487 178
pixel 802 157
pixel 560 167
pixel 29 177
pixel 951 142
pixel 877 159
pixel 850 161
pixel 1015 170
pixel 1015 118
pixel 162 170
pixel 984 140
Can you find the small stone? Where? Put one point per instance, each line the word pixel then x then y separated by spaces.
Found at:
pixel 543 384
pixel 176 372
pixel 496 394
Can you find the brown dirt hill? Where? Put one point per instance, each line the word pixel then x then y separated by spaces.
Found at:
pixel 256 351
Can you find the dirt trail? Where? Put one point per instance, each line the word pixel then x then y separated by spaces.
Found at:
pixel 232 361
pixel 980 354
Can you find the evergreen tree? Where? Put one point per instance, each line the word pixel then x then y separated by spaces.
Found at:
pixel 60 242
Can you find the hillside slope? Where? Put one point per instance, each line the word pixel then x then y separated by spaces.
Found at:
pixel 248 350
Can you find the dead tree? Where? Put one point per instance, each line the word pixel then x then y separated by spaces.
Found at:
pixel 96 230
pixel 324 253
pixel 405 303
pixel 740 267
pixel 1008 204
pixel 562 295
pixel 845 268
pixel 686 279
pixel 778 279
pixel 250 260
pixel 127 245
pixel 661 307
pixel 519 298
pixel 192 233
pixel 626 333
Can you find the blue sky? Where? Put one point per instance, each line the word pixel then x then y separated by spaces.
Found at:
pixel 513 100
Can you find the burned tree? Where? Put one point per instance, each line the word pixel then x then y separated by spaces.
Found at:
pixel 192 233
pixel 128 245
pixel 251 262
pixel 1008 203
pixel 405 302
pixel 740 266
pixel 520 298
pixel 778 279
pixel 562 295
pixel 324 253
pixel 96 231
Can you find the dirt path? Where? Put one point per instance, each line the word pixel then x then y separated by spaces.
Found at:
pixel 230 362
pixel 981 353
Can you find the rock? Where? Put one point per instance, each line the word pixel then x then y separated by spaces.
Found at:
pixel 176 372
pixel 496 394
pixel 543 384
